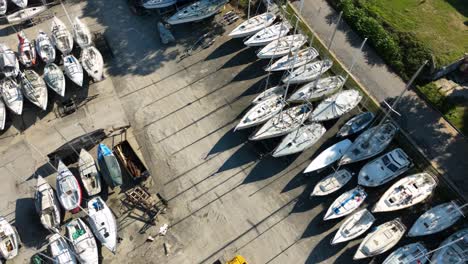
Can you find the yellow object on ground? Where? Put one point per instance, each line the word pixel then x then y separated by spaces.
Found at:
pixel 237 260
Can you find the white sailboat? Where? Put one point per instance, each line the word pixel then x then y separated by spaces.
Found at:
pixel 261 112
pixel 309 72
pixel 370 143
pixel 356 124
pixel 283 123
pixel 34 88
pixel 73 69
pixel 267 35
pixel 354 226
pixel 2 115
pixel 103 223
pixel 68 189
pixel 329 156
pixel 25 14
pixel 82 34
pixel 153 4
pixel 301 139
pixel 20 3
pixel 315 91
pixel 336 105
pixel 61 37
pixel 268 93
pixel 280 47
pixel 453 249
pixel 253 25
pixel 9 242
pixel 47 206
pixel 88 173
pixel 3 7
pixel 384 168
pixel 26 50
pixel 92 62
pixel 436 219
pixel 54 78
pixel 12 96
pixel 292 61
pixel 83 241
pixel 406 192
pixel 45 48
pixel 414 253
pixel 60 250
pixel 381 240
pixel 196 11
pixel 346 203
pixel 8 62
pixel 332 183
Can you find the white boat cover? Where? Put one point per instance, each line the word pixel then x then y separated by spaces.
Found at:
pixel 267 35
pixel 25 14
pixel 34 88
pixel 82 34
pixel 12 96
pixel 45 48
pixel 68 189
pixel 356 124
pixel 294 60
pixel 61 37
pixel 268 93
pixel 301 139
pixel 308 72
pixel 73 69
pixel 336 105
pixel 436 219
pixel 47 205
pixel 332 183
pixel 354 226
pixel 103 223
pixel 89 173
pixel 282 46
pixel 261 112
pixel 414 253
pixel 92 62
pixel 329 156
pixel 9 64
pixel 453 249
pixel 253 25
pixel 54 78
pixel 196 11
pixel 323 88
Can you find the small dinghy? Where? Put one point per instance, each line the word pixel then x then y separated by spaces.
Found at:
pixel 82 34
pixel 153 4
pixel 88 173
pixel 356 124
pixel 384 168
pixel 332 183
pixel 34 88
pixel 12 96
pixel 103 223
pixel 261 112
pixel 9 242
pixel 354 226
pixel 47 205
pixel 283 46
pixel 453 249
pixel 26 50
pixel 436 219
pixel 73 69
pixel 303 138
pixel 268 93
pixel 329 156
pixel 267 35
pixel 196 11
pixel 406 192
pixel 383 238
pixel 25 14
pixel 3 7
pixel 8 62
pixel 336 105
pixel 82 239
pixel 109 166
pixel 45 48
pixel 346 203
pixel 92 62
pixel 54 78
pixel 292 61
pixel 60 251
pixel 2 115
pixel 253 25
pixel 61 37
pixel 287 121
pixel 68 189
pixel 20 3
pixel 370 143
pixel 309 72
pixel 414 253
pixel 323 88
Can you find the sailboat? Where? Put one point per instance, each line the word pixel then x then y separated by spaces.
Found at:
pixel 153 4
pixel 73 69
pixel 253 25
pixel 82 34
pixel 370 143
pixel 436 219
pixel 54 78
pixel 12 96
pixel 292 61
pixel 196 11
pixel 26 50
pixel 3 7
pixel 61 37
pixel 414 253
pixel 301 139
pixel 68 189
pixel 20 3
pixel 8 62
pixel 356 124
pixel 45 48
pixel 2 115
pixel 332 183
pixel 83 241
pixel 60 250
pixel 269 93
pixel 315 91
pixel 283 123
pixel 309 72
pixel 92 62
pixel 109 166
pixel 453 249
pixel 9 242
pixel 103 223
pixel 329 156
pixel 354 226
pixel 267 35
pixel 47 205
pixel 88 173
pixel 346 203
pixel 25 14
pixel 406 192
pixel 336 105
pixel 261 112
pixel 282 46
pixel 34 88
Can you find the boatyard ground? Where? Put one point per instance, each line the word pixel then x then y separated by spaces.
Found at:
pixel 226 195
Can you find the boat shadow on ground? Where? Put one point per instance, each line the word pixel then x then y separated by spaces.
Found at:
pixel 267 167
pixel 241 58
pixel 228 47
pixel 244 155
pixel 251 71
pixel 28 224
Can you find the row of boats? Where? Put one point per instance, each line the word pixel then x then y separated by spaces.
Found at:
pixel 29 83
pixel 81 237
pixel 25 13
pixel 269 109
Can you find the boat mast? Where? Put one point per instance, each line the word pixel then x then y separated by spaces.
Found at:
pixel 248 11
pixel 66 13
pixel 427 254
pixel 353 62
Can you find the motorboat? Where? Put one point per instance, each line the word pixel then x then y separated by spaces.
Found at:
pixel 109 166
pixel 54 78
pixel 346 203
pixel 370 143
pixel 336 105
pixel 68 189
pixel 34 88
pixel 60 251
pixel 9 64
pixel 356 124
pixel 47 206
pixel 45 48
pixel 73 69
pixel 332 183
pixel 61 37
pixel 26 50
pixel 253 25
pixel 25 14
pixel 103 223
pixel 270 92
pixel 9 241
pixel 153 4
pixel 354 226
pixel 329 156
pixel 92 62
pixel 414 253
pixel 294 60
pixel 11 95
pixel 384 168
pixel 382 239
pixel 269 34
pixel 308 72
pixel 301 139
pixel 261 112
pixel 282 46
pixel 315 91
pixel 83 241
pixel 196 11
pixel 436 219
pixel 89 173
pixel 406 192
pixel 82 34
pixel 453 249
